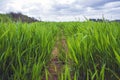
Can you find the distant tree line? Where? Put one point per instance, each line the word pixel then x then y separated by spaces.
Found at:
pixel 102 20
pixel 18 17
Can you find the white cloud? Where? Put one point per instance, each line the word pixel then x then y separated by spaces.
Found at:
pixel 112 4
pixel 65 1
pixel 63 10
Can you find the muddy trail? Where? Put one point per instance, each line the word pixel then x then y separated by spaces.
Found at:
pixel 55 66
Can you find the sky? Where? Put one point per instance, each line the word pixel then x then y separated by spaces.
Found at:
pixel 63 10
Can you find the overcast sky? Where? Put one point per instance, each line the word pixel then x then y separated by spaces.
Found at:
pixel 63 10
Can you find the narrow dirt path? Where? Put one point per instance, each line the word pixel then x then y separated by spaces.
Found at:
pixel 55 66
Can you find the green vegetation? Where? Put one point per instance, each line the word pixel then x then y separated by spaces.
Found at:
pixel 93 50
pixel 25 50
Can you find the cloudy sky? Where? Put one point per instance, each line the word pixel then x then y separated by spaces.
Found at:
pixel 63 10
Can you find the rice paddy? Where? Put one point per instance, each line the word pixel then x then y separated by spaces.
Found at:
pixel 85 50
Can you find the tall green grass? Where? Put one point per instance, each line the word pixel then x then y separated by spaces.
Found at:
pixel 94 50
pixel 25 49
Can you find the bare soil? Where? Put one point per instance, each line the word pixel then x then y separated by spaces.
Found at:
pixel 55 66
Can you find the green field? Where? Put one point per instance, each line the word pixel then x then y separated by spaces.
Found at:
pixel 92 50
